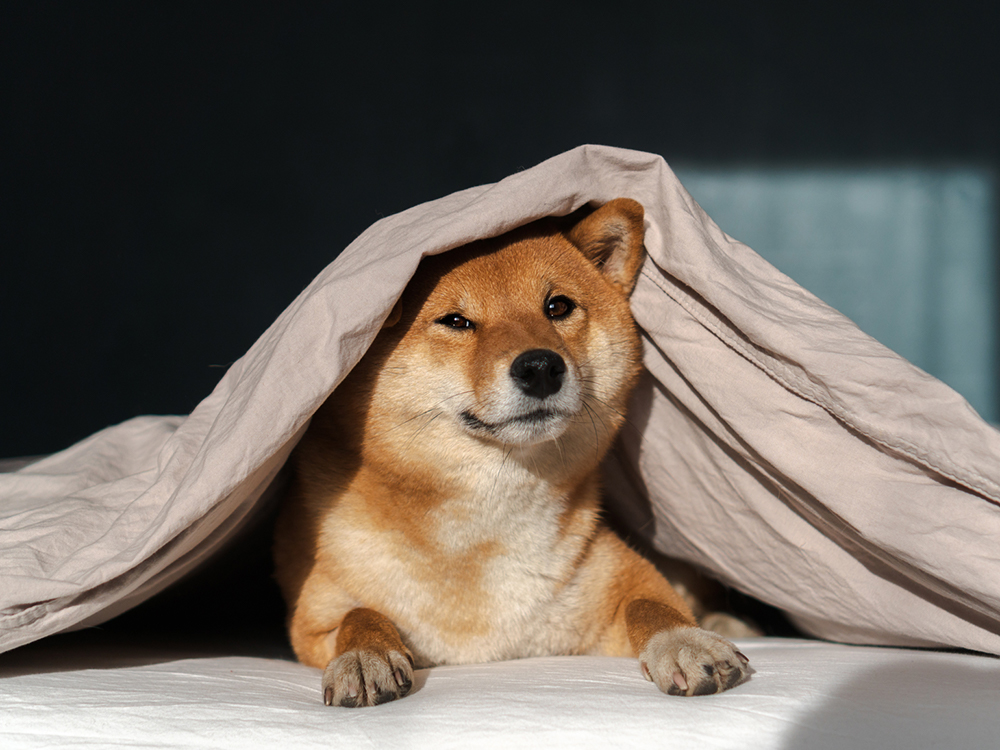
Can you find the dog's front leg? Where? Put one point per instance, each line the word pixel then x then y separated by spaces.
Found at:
pixel 679 657
pixel 371 664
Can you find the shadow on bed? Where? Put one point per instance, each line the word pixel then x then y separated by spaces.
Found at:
pixel 908 705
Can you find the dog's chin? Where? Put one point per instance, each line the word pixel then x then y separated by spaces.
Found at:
pixel 526 429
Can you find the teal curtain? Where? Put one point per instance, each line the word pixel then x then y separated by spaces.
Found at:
pixel 909 254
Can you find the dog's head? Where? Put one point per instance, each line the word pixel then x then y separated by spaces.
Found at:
pixel 519 340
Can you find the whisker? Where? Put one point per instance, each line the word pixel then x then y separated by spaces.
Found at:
pixel 436 409
pixel 423 427
pixel 496 478
pixel 593 423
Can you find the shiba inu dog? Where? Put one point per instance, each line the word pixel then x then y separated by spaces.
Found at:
pixel 444 505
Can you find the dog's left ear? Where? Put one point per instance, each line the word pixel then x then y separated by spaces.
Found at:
pixel 612 238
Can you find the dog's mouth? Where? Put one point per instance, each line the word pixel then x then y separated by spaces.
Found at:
pixel 539 418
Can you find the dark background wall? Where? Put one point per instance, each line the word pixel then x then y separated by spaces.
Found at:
pixel 172 175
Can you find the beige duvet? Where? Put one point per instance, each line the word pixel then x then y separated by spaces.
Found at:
pixel 775 444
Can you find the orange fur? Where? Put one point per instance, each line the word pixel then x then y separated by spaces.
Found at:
pixel 445 501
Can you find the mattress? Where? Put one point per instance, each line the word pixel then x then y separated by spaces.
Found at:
pixel 77 691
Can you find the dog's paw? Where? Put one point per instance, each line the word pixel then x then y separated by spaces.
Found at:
pixel 729 626
pixel 366 678
pixel 692 661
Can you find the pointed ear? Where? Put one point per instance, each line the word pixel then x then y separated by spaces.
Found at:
pixel 394 315
pixel 611 238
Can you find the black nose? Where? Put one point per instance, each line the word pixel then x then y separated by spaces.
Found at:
pixel 539 372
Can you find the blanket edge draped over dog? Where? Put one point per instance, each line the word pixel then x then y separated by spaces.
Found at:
pixel 771 442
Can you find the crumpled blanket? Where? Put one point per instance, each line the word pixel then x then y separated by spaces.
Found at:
pixel 773 443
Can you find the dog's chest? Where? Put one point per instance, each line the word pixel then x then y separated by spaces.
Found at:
pixel 488 574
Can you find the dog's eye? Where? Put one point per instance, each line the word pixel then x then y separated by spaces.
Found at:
pixel 559 307
pixel 454 320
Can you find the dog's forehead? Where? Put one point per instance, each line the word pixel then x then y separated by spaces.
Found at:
pixel 519 270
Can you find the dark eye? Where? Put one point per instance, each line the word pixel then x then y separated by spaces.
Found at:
pixel 454 320
pixel 559 307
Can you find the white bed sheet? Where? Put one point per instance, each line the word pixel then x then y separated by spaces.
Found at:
pixel 804 694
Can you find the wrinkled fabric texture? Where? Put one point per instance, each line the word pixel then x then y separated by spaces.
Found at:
pixel 803 696
pixel 771 442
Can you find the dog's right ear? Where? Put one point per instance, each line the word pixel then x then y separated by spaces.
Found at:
pixel 394 315
pixel 611 238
